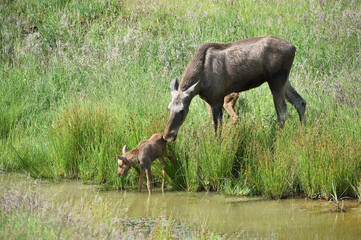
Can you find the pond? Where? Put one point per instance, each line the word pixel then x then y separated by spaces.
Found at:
pixel 232 217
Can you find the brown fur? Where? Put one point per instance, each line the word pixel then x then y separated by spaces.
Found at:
pixel 218 69
pixel 144 154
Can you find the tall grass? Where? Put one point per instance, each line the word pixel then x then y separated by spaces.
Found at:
pixel 81 79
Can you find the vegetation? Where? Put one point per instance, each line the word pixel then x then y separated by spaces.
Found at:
pixel 80 79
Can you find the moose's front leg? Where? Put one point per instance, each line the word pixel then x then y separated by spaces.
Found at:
pixel 217 115
pixel 149 180
pixel 141 177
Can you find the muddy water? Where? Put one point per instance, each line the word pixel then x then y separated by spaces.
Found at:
pixel 235 217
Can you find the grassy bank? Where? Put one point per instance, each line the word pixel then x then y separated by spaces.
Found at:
pixel 81 79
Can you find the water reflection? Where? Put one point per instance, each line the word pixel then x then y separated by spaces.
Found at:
pixel 232 216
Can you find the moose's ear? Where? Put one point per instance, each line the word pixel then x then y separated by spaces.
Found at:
pixel 174 87
pixel 125 149
pixel 191 89
pixel 174 84
pixel 125 161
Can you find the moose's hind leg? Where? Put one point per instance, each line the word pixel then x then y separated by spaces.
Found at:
pixel 277 86
pixel 296 100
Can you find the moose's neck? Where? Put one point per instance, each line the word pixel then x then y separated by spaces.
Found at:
pixel 132 158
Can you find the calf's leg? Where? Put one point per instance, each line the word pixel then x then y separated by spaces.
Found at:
pixel 164 163
pixel 163 180
pixel 170 157
pixel 149 180
pixel 161 161
pixel 229 102
pixel 141 177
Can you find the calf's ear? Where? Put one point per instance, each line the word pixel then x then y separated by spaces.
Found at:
pixel 125 149
pixel 125 161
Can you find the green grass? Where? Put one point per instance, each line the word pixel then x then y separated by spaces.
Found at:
pixel 80 79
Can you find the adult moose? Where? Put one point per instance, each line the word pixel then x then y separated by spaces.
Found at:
pixel 217 70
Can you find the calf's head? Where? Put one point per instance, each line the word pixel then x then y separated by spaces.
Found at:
pixel 178 109
pixel 123 163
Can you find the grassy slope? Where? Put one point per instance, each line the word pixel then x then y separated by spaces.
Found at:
pixel 80 79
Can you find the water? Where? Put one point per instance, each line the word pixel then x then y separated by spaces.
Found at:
pixel 234 217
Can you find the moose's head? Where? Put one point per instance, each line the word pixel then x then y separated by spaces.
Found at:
pixel 123 163
pixel 178 109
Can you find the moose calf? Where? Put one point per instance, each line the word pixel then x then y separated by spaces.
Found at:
pixel 144 154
